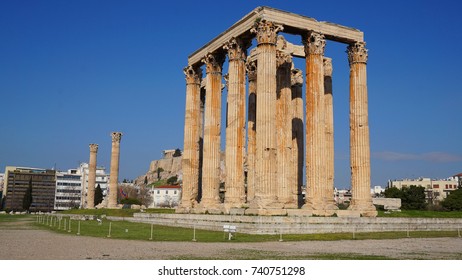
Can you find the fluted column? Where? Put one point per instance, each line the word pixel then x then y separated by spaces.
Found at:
pixel 314 44
pixel 235 130
pixel 297 129
pixel 359 132
pixel 192 133
pixel 266 172
pixel 329 111
pixel 251 68
pixel 287 188
pixel 114 176
pixel 92 176
pixel 212 124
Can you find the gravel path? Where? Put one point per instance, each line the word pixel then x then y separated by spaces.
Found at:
pixel 19 242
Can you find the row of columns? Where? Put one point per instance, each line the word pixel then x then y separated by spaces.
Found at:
pixel 114 175
pixel 275 128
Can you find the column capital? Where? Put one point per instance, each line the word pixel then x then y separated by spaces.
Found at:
pixel 327 65
pixel 283 59
pixel 357 53
pixel 94 148
pixel 296 77
pixel 266 31
pixel 314 43
pixel 237 49
pixel 116 136
pixel 213 63
pixel 193 74
pixel 251 69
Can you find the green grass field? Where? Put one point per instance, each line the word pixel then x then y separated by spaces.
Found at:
pixel 141 231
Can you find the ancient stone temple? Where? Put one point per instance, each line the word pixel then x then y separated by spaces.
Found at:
pixel 265 152
pixel 114 177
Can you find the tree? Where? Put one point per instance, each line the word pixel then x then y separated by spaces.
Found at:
pixel 27 200
pixel 172 180
pixel 453 201
pixel 412 198
pixel 159 169
pixel 145 180
pixel 177 153
pixel 98 195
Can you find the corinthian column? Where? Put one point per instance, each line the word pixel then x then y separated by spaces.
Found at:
pixel 114 177
pixel 251 68
pixel 266 172
pixel 329 201
pixel 314 44
pixel 92 176
pixel 297 129
pixel 211 155
pixel 287 188
pixel 359 132
pixel 235 129
pixel 192 134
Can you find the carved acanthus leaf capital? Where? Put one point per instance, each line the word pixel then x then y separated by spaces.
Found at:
pixel 213 63
pixel 314 43
pixel 237 49
pixel 296 77
pixel 327 65
pixel 266 31
pixel 94 148
pixel 193 74
pixel 283 59
pixel 357 53
pixel 116 136
pixel 251 68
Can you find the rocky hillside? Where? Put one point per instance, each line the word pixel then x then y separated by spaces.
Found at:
pixel 170 166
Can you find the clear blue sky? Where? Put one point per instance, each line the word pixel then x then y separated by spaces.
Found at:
pixel 73 71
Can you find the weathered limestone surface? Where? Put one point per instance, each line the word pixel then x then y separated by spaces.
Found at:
pixel 235 127
pixel 211 154
pixel 92 176
pixel 297 129
pixel 315 122
pixel 286 189
pixel 329 138
pixel 292 23
pixel 265 169
pixel 251 68
pixel 190 161
pixel 359 131
pixel 114 177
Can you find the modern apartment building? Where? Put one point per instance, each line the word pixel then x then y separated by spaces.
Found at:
pixel 436 189
pixel 18 179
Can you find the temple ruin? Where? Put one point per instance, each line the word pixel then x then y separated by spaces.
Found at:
pixel 264 163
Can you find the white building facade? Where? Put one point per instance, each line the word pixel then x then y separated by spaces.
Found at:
pixel 436 190
pixel 72 186
pixel 165 196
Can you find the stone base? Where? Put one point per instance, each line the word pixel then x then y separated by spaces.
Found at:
pixel 348 213
pixel 183 210
pixel 372 213
pixel 266 212
pixel 236 211
pixel 215 209
pixel 324 213
pixel 299 212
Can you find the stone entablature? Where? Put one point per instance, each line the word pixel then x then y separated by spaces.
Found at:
pixel 275 149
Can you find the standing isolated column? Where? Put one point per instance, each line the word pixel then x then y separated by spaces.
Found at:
pixel 297 129
pixel 287 188
pixel 314 44
pixel 329 201
pixel 114 177
pixel 212 127
pixel 192 127
pixel 235 129
pixel 251 68
pixel 359 132
pixel 266 172
pixel 92 176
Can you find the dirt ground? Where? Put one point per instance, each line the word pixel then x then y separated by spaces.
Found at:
pixel 19 241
